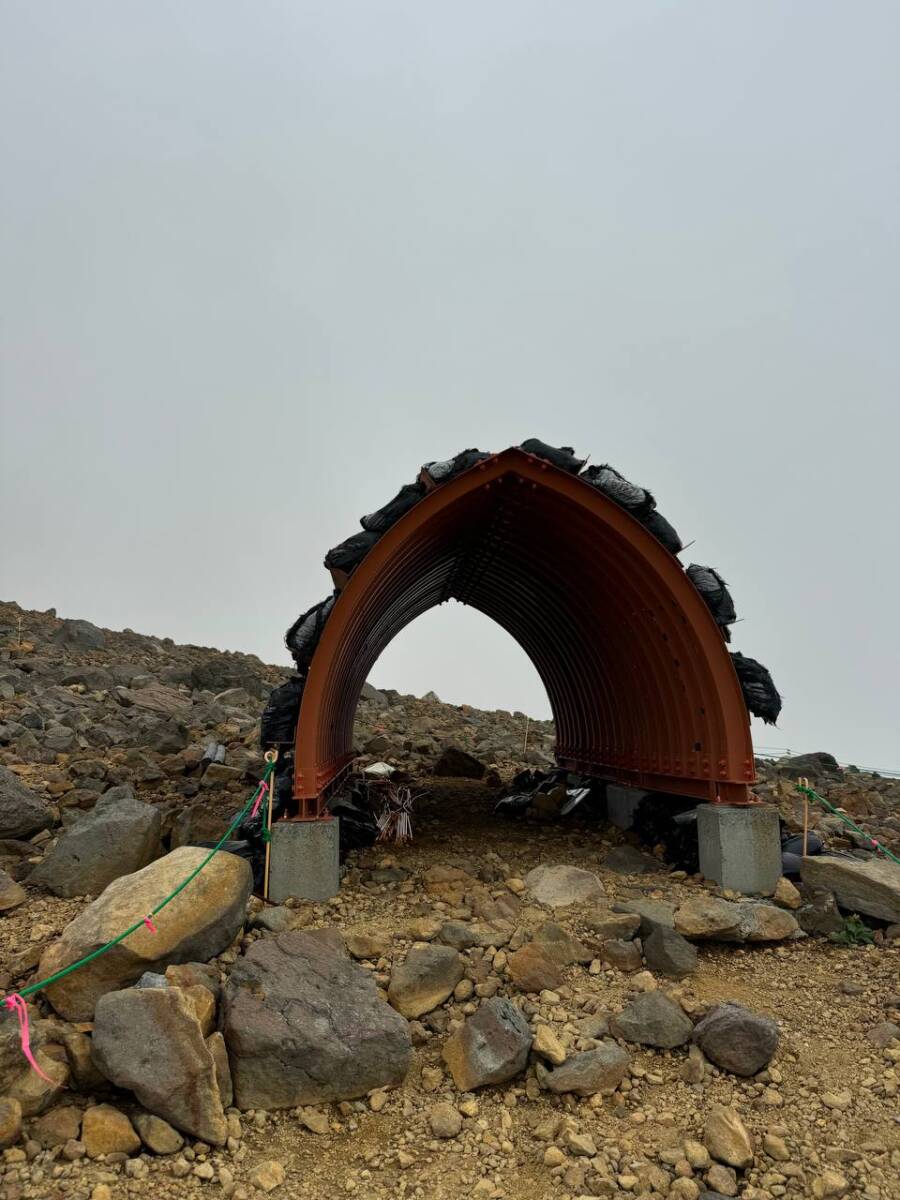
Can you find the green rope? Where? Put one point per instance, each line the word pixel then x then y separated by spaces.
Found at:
pixel 82 962
pixel 808 791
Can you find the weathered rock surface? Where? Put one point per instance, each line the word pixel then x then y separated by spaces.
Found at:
pixel 149 1041
pixel 12 894
pixel 871 887
pixel 491 1047
pixel 653 1019
pixel 157 1134
pixel 10 1121
pixel 425 979
pixel 456 763
pixel 22 813
pixel 591 1071
pixel 726 1138
pixel 736 1039
pixel 118 837
pixel 304 1024
pixel 669 954
pixel 561 885
pixel 708 918
pixel 198 924
pixel 532 969
pixel 106 1130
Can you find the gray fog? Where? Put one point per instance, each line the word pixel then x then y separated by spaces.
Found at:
pixel 262 260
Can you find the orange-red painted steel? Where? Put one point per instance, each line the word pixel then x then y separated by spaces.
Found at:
pixel 642 687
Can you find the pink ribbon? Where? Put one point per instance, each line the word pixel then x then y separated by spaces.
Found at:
pixel 148 921
pixel 17 1005
pixel 263 788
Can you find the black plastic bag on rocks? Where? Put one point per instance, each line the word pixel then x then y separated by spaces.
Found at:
pixel 358 827
pixel 561 456
pixel 760 694
pixel 714 590
pixel 303 636
pixel 670 822
pixel 381 521
pixel 278 726
pixel 447 469
pixel 348 554
pixel 606 479
pixel 657 524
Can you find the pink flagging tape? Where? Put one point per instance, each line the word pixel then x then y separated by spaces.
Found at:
pixel 20 1008
pixel 263 788
pixel 148 921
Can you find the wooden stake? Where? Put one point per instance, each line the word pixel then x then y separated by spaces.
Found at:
pixel 525 743
pixel 271 757
pixel 805 783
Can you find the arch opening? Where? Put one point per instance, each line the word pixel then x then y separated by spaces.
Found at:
pixel 641 686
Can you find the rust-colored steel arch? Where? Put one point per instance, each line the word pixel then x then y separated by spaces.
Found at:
pixel 642 687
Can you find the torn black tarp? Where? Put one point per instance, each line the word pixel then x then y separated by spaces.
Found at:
pixel 278 726
pixel 348 554
pixel 714 590
pixel 390 513
pixel 561 456
pixel 657 524
pixel 303 636
pixel 449 468
pixel 760 694
pixel 606 479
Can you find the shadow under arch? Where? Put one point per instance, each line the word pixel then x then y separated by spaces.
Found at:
pixel 641 685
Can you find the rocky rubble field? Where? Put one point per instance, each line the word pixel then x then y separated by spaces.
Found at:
pixel 501 1009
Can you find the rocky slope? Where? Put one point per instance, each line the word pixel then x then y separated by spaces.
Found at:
pixel 499 1009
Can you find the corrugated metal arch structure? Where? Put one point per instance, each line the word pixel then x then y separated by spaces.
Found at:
pixel 640 682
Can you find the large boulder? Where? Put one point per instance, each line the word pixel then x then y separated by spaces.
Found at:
pixel 119 836
pixel 669 954
pixel 559 886
pixel 199 923
pixel 149 1041
pixel 425 979
pixel 708 918
pixel 304 1024
pixel 79 635
pixel 653 1019
pixel 736 1039
pixel 457 764
pixel 22 813
pixel 491 1047
pixel 871 887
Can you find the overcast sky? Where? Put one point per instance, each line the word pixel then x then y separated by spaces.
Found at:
pixel 262 260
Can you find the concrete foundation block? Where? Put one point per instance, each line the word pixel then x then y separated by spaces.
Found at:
pixel 305 860
pixel 621 804
pixel 740 847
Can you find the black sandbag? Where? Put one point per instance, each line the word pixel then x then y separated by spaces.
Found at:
pixel 390 513
pixel 657 524
pixel 348 554
pixel 449 468
pixel 606 479
pixel 303 636
pixel 714 590
pixel 760 694
pixel 278 725
pixel 561 456
pixel 670 822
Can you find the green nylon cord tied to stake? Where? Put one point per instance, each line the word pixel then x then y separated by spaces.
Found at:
pixel 813 795
pixel 146 920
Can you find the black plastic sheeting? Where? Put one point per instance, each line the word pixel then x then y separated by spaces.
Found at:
pixel 449 468
pixel 561 456
pixel 637 501
pixel 760 694
pixel 278 726
pixel 714 590
pixel 381 521
pixel 349 553
pixel 303 636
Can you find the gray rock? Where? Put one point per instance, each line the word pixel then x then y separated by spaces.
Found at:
pixel 457 764
pixel 561 946
pixel 871 887
pixel 652 1020
pixel 199 923
pixel 736 1039
pixel 95 679
pixel 149 1041
pixel 463 935
pixel 490 1047
pixel 119 836
pixel 304 1024
pixel 425 980
pixel 628 860
pixel 819 912
pixel 561 885
pixel 669 954
pixel 79 635
pixel 599 1070
pixel 22 813
pixel 12 894
pixel 651 912
pixel 157 1134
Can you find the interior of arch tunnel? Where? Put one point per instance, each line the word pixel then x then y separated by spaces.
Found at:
pixel 641 685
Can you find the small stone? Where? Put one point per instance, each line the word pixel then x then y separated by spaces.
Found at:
pixel 722 1179
pixel 829 1184
pixel 491 1047
pixel 533 970
pixel 425 980
pixel 548 1046
pixel 315 1120
pixel 10 1121
pixel 101 1191
pixel 553 1157
pixel 696 1154
pixel 156 1134
pixel 560 886
pixel 368 945
pixel 776 1147
pixel 786 895
pixel 267 1176
pixel 653 1019
pixel 445 1120
pixel 587 1073
pixel 841 1100
pixel 57 1126
pixel 669 954
pixel 581 1144
pixel 736 1039
pixel 105 1130
pixel 727 1139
